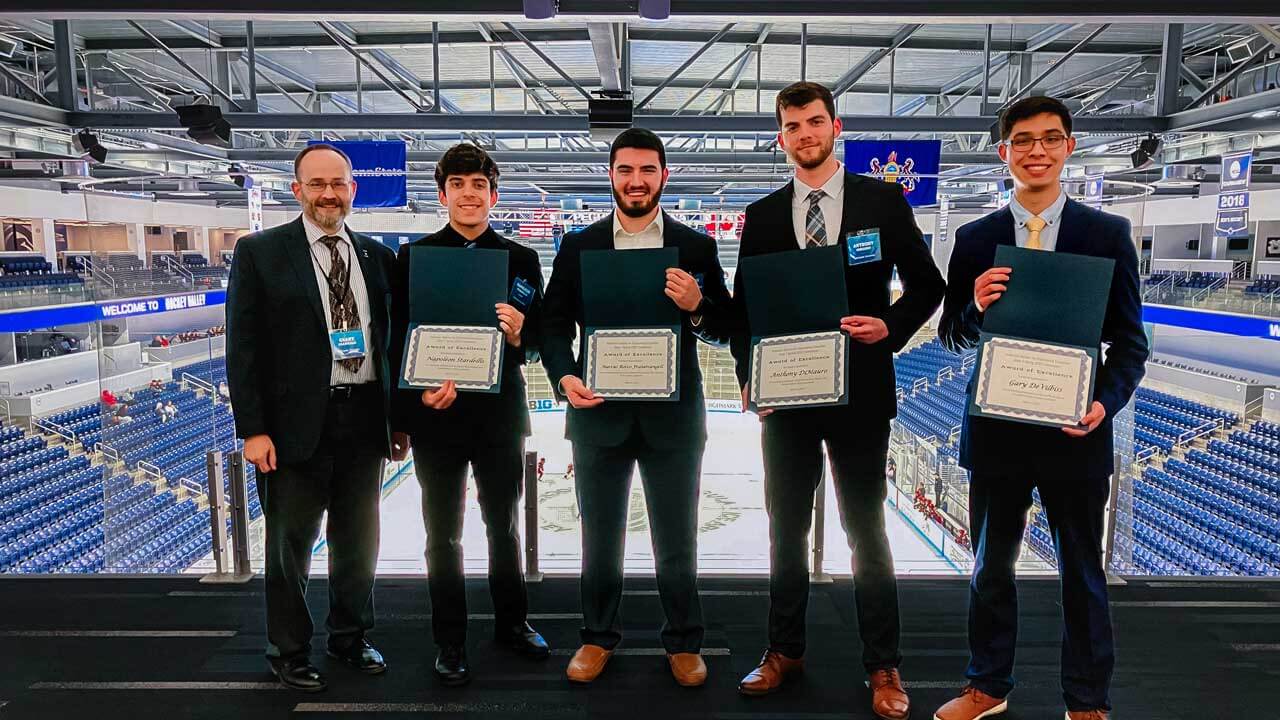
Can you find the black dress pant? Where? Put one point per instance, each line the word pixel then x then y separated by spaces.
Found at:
pixel 499 472
pixel 671 478
pixel 1074 507
pixel 344 477
pixel 792 471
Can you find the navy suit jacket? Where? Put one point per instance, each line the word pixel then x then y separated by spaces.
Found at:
pixel 1001 447
pixel 664 424
pixel 278 357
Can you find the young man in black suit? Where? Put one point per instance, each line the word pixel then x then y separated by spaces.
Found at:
pixel 823 205
pixel 312 414
pixel 1071 466
pixel 451 431
pixel 611 436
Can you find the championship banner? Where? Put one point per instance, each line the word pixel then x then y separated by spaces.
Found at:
pixel 913 164
pixel 1093 190
pixel 1233 195
pixel 378 167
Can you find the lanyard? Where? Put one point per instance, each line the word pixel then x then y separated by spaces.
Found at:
pixel 328 277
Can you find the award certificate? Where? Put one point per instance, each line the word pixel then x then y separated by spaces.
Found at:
pixel 470 356
pixel 632 363
pixel 799 370
pixel 1033 381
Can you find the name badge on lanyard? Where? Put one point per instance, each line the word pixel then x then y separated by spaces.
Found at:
pixel 863 246
pixel 347 344
pixel 522 294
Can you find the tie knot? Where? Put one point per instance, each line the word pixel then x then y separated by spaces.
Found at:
pixel 1036 223
pixel 331 241
pixel 816 195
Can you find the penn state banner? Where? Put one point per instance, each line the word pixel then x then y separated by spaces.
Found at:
pixel 913 164
pixel 378 167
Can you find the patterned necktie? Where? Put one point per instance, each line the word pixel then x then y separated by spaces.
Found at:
pixel 342 302
pixel 815 223
pixel 1034 225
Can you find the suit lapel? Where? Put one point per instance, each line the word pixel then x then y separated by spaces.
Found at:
pixel 786 234
pixel 299 251
pixel 1073 228
pixel 848 216
pixel 1004 234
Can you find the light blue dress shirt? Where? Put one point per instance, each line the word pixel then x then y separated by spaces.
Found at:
pixel 1052 217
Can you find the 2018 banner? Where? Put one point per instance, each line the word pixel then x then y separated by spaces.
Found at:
pixel 913 164
pixel 378 167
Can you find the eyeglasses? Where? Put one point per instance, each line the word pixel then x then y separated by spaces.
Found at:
pixel 1048 142
pixel 318 186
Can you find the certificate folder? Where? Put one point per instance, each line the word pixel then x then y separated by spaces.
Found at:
pixel 452 289
pixel 1050 316
pixel 456 286
pixel 625 289
pixel 794 293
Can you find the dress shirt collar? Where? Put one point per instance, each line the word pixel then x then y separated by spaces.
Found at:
pixel 833 187
pixel 314 233
pixel 618 229
pixel 1051 215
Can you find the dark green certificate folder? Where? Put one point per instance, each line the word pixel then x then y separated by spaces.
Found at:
pixel 795 292
pixel 625 289
pixel 1054 299
pixel 455 287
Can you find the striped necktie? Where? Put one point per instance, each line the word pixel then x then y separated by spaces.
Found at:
pixel 1034 225
pixel 815 223
pixel 342 302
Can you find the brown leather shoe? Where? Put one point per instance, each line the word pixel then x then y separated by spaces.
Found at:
pixel 769 675
pixel 1088 715
pixel 888 700
pixel 588 663
pixel 688 668
pixel 973 704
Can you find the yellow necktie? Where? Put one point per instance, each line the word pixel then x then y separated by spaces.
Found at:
pixel 1034 224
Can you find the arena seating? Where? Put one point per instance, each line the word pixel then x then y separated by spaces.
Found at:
pixel 1263 286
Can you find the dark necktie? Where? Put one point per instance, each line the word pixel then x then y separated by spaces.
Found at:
pixel 342 302
pixel 815 224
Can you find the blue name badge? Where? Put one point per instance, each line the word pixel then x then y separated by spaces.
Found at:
pixel 347 344
pixel 522 294
pixel 863 246
pixel 700 278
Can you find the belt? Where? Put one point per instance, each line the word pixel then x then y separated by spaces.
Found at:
pixel 346 392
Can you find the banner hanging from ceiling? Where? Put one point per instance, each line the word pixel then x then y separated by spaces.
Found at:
pixel 378 167
pixel 913 164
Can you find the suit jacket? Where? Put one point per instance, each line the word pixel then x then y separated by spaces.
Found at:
pixel 664 424
pixel 278 358
pixel 492 419
pixel 1000 446
pixel 868 204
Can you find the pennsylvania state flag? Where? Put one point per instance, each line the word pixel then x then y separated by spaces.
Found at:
pixel 913 164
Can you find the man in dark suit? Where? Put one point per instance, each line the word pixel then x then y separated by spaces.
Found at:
pixel 1071 466
pixel 451 431
pixel 609 437
pixel 306 363
pixel 823 205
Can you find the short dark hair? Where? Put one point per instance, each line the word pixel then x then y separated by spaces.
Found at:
pixel 799 94
pixel 297 160
pixel 639 138
pixel 1030 107
pixel 465 159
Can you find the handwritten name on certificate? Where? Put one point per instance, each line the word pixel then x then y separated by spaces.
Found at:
pixel 1034 382
pixel 469 356
pixel 632 363
pixel 795 370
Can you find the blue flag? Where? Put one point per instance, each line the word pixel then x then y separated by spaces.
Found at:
pixel 913 164
pixel 378 167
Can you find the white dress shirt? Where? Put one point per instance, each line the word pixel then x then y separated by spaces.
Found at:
pixel 321 262
pixel 1051 215
pixel 832 205
pixel 647 239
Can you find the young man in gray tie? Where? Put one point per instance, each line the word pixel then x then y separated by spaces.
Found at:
pixel 307 365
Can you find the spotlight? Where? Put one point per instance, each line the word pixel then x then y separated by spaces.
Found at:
pixel 86 143
pixel 1145 152
pixel 238 176
pixel 205 124
pixel 655 9
pixel 540 9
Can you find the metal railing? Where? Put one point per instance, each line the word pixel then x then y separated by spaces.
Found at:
pixel 54 428
pixel 531 571
pixel 1201 296
pixel 230 554
pixel 98 274
pixel 109 452
pixel 1163 285
pixel 188 379
pixel 151 470
pixel 178 269
pixel 1240 270
pixel 1267 303
pixel 1189 436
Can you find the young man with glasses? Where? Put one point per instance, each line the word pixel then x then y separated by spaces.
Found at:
pixel 1070 465
pixel 306 362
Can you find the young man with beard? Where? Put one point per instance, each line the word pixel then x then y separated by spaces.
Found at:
pixel 451 431
pixel 610 437
pixel 307 365
pixel 823 205
pixel 1071 466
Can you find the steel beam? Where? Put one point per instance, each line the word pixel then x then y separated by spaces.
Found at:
pixel 1101 98
pixel 1269 33
pixel 685 65
pixel 1193 79
pixel 64 55
pixel 1234 115
pixel 252 54
pixel 203 35
pixel 1170 70
pixel 340 39
pixel 547 59
pixel 872 59
pixel 21 81
pixel 605 50
pixel 1027 87
pixel 1232 74
pixel 185 65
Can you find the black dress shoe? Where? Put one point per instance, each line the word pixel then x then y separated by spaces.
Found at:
pixel 524 640
pixel 362 656
pixel 451 665
pixel 298 673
